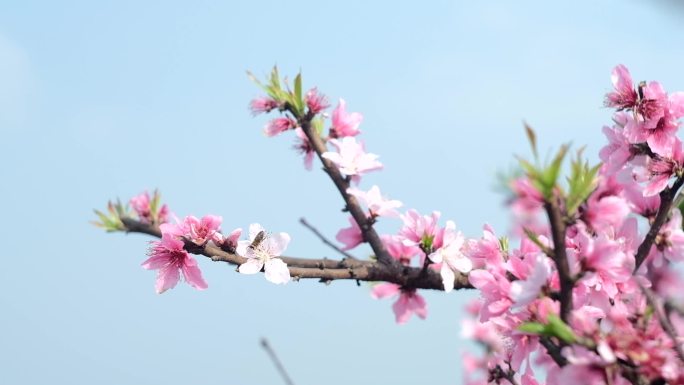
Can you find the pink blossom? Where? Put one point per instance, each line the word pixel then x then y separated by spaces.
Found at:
pixel 169 256
pixel 264 253
pixel 399 250
pixel 605 261
pixel 618 151
pixel 304 146
pixel 144 207
pixel 658 171
pixel 408 303
pixel 262 104
pixel 419 229
pixel 523 292
pixel 624 96
pixel 201 231
pixel 351 157
pixel 343 123
pixel 606 208
pixel 378 205
pixel 495 288
pixel 350 236
pixel 486 250
pixel 316 101
pixel 278 125
pixel 450 256
pixel 670 239
pixel 646 206
pixel 227 242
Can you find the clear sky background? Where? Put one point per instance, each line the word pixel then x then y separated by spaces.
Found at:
pixel 99 100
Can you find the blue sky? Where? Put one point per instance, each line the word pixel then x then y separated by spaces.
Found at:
pixel 99 100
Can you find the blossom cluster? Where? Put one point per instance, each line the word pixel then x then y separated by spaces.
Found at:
pixel 612 333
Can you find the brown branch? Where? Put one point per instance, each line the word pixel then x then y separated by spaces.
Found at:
pixel 323 269
pixel 276 361
pixel 560 258
pixel 667 196
pixel 324 239
pixel 664 321
pixel 342 184
pixel 554 351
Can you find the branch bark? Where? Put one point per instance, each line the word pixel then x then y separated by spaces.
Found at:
pixel 323 269
pixel 560 258
pixel 667 196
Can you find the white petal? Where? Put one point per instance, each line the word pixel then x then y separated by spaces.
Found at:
pixel 436 257
pixel 277 271
pixel 460 263
pixel 277 243
pixel 448 277
pixel 243 249
pixel 254 229
pixel 252 266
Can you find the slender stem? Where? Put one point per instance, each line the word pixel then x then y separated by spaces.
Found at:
pixel 667 196
pixel 276 361
pixel 560 258
pixel 324 239
pixel 554 351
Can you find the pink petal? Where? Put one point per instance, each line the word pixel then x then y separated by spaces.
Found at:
pixel 167 278
pixel 384 290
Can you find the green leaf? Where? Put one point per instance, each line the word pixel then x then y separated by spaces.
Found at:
pixel 532 328
pixel 557 328
pixel 534 238
pixel 299 100
pixel 532 138
pixel 549 176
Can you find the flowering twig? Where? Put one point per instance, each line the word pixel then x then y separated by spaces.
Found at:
pixel 324 239
pixel 323 269
pixel 342 184
pixel 667 196
pixel 276 361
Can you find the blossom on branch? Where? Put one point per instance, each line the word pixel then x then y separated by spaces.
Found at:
pixel 378 206
pixel 450 256
pixel 408 303
pixel 262 252
pixel 344 123
pixel 170 258
pixel 351 158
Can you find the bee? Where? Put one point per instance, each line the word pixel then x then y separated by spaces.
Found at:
pixel 261 235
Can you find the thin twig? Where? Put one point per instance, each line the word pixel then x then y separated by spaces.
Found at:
pixel 664 321
pixel 276 361
pixel 667 196
pixel 323 238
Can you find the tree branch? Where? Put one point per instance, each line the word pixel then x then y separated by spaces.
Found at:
pixel 560 258
pixel 667 196
pixel 323 269
pixel 342 184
